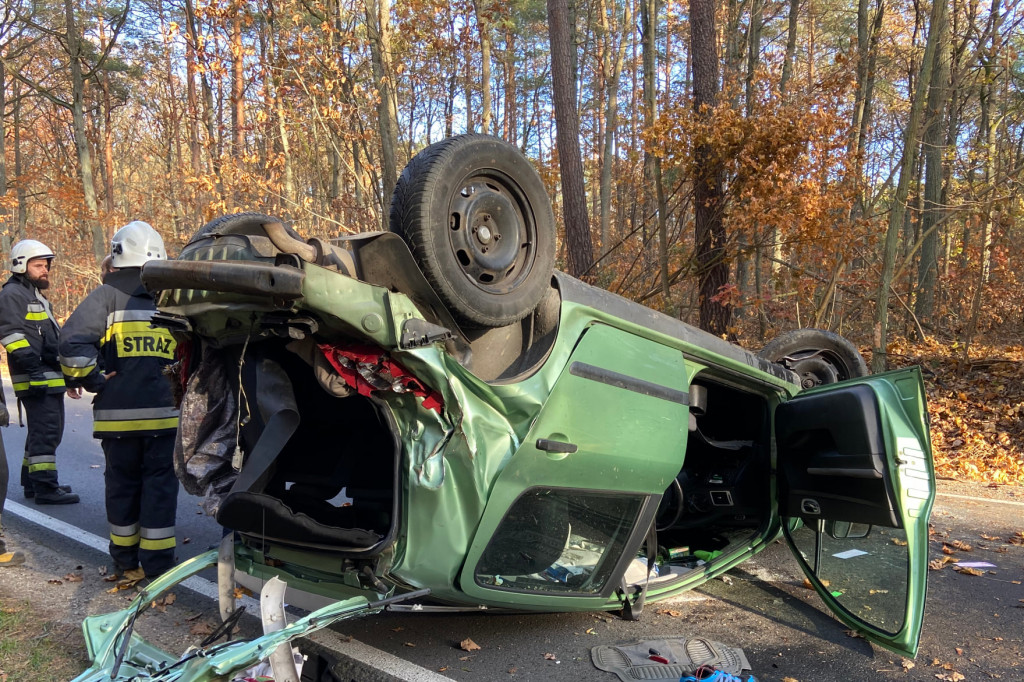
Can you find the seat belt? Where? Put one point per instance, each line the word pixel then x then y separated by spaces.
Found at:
pixel 275 436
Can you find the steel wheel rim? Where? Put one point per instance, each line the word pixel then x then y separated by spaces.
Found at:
pixel 492 233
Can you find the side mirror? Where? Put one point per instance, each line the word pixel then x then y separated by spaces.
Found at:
pixel 841 530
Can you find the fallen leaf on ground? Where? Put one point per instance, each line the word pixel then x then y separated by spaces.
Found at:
pixel 854 634
pixel 899 542
pixel 985 536
pixel 102 570
pixel 790 679
pixel 670 612
pixel 936 564
pixel 907 665
pixel 962 546
pixel 549 657
pixel 469 645
pixel 55 581
pixel 1017 538
pixel 410 645
pixel 959 651
pixel 809 586
pixel 201 628
pixel 73 577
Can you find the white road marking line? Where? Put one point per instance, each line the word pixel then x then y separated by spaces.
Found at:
pixel 980 499
pixel 196 584
pixel 353 649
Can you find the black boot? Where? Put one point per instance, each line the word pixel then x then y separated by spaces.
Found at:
pixel 56 496
pixel 30 492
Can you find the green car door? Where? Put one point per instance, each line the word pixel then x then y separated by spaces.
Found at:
pixel 567 514
pixel 856 488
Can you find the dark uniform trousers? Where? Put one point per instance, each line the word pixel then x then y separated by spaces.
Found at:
pixel 45 417
pixel 141 468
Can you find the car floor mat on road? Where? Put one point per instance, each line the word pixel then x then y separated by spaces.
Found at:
pixel 634 661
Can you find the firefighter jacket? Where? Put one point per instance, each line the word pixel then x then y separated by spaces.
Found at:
pixel 110 331
pixel 29 333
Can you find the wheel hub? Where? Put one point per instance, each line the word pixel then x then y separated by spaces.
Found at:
pixel 489 235
pixel 814 371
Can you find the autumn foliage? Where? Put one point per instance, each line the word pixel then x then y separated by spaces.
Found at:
pixel 179 112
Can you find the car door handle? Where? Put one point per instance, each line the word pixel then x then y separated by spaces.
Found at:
pixel 549 445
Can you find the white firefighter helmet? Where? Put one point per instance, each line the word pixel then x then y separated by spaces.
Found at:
pixel 26 250
pixel 135 244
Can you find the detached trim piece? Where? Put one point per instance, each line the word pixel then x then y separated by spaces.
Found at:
pixel 606 376
pixel 258 279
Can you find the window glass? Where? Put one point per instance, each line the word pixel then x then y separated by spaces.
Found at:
pixel 864 567
pixel 559 541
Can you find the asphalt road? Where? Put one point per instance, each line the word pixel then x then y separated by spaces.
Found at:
pixel 80 465
pixel 974 625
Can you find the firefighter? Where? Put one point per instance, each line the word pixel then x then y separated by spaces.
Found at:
pixel 110 348
pixel 29 333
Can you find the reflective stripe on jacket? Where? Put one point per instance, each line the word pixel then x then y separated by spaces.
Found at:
pixel 30 334
pixel 111 331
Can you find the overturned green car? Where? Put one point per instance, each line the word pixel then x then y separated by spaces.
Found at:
pixel 435 412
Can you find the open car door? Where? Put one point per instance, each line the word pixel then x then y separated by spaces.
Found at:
pixel 856 487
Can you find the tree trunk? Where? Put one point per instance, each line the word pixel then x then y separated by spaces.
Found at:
pixel 237 84
pixel 655 204
pixel 899 200
pixel 753 52
pixel 933 143
pixel 19 231
pixel 510 121
pixel 988 125
pixel 567 136
pixel 5 213
pixel 378 24
pixel 787 62
pixel 208 108
pixel 712 269
pixel 278 62
pixel 613 67
pixel 85 170
pixel 483 24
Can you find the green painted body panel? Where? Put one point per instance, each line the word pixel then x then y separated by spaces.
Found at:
pixel 141 661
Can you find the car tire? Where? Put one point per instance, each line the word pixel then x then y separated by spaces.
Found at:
pixel 817 355
pixel 232 222
pixel 478 220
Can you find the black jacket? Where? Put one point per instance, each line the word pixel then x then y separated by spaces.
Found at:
pixel 110 331
pixel 29 333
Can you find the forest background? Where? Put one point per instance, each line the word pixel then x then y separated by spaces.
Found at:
pixel 750 166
